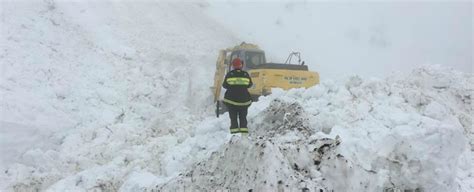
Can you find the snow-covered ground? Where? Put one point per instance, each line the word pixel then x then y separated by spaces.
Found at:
pixel 409 131
pixel 97 66
pixel 92 65
pixel 115 97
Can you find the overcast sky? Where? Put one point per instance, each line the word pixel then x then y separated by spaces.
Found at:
pixel 369 38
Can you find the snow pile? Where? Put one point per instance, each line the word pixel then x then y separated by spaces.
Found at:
pixel 94 64
pixel 408 132
pixel 405 132
pixel 106 72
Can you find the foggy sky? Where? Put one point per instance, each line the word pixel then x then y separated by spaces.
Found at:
pixel 368 38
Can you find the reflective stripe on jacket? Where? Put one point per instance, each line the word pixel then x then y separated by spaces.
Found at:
pixel 237 82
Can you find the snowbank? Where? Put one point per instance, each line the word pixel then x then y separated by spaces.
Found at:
pixel 86 70
pixel 408 132
pixel 94 64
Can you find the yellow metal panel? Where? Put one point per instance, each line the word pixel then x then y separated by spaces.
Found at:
pixel 219 74
pixel 265 79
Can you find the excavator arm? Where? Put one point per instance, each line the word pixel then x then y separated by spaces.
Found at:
pixel 219 74
pixel 219 77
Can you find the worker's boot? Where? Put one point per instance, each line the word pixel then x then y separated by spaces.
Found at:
pixel 234 130
pixel 244 132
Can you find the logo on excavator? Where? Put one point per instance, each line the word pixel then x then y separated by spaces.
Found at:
pixel 295 80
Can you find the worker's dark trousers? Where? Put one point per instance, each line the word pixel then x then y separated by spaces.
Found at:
pixel 240 113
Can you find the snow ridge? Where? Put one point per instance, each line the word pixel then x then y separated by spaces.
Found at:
pixel 410 132
pixel 92 76
pixel 359 135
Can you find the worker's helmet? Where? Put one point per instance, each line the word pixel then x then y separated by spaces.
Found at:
pixel 237 63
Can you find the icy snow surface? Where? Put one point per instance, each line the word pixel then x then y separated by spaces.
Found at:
pixel 409 131
pixel 85 70
pixel 136 107
pixel 97 65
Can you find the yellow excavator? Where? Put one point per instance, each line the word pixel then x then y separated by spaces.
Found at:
pixel 265 76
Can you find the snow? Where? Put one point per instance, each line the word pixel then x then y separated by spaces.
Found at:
pixel 115 97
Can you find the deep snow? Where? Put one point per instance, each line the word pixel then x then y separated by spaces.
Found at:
pixel 117 100
pixel 409 131
pixel 92 65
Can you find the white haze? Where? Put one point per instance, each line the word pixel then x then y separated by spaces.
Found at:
pixel 369 38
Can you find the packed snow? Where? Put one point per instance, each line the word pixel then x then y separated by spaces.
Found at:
pixel 408 132
pixel 94 101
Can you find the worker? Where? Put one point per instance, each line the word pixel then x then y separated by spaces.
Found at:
pixel 237 97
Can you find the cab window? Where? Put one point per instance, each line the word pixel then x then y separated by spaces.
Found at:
pixel 253 59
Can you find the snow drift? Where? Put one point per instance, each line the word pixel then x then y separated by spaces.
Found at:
pixel 122 80
pixel 409 132
pixel 82 69
pixel 406 132
pixel 93 65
